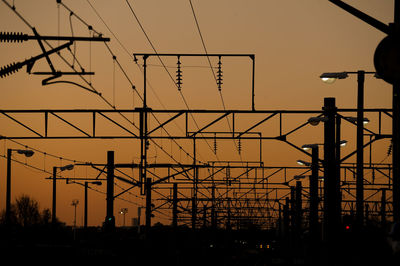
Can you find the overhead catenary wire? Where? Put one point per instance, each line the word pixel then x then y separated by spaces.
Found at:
pixel 89 84
pixel 124 48
pixel 217 81
pixel 164 66
pixel 140 68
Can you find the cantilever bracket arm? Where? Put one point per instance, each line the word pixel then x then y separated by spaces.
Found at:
pixel 361 15
pixel 7 70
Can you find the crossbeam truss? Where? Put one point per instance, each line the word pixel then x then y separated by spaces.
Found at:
pixel 232 194
pixel 37 124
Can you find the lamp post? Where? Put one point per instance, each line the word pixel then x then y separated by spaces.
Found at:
pixel 330 78
pixel 75 203
pixel 313 213
pixel 54 201
pixel 332 201
pixel 27 153
pixel 123 211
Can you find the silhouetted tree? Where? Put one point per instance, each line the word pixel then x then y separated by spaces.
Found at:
pixel 46 216
pixel 25 212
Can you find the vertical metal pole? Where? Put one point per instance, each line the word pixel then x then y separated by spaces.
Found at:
pixel 313 218
pixel 8 188
pixel 145 81
pixel 148 204
pixel 139 214
pixel 396 153
pixel 383 208
pixel 85 219
pixel 286 219
pixel 337 154
pixel 331 184
pixel 293 207
pixel 175 206
pixel 54 204
pixel 194 199
pixel 228 221
pixel 213 217
pixel 279 219
pixel 298 210
pixel 253 108
pixel 142 173
pixel 143 131
pixel 204 216
pixel 110 219
pixel 395 129
pixel 360 151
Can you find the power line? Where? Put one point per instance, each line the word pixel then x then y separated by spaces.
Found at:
pixel 164 66
pixel 212 71
pixel 124 48
pixel 202 40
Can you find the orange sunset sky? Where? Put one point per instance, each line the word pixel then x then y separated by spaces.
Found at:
pixel 293 41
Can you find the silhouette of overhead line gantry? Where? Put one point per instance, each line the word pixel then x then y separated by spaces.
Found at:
pixel 42 129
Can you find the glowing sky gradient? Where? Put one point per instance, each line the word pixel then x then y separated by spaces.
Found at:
pixel 294 42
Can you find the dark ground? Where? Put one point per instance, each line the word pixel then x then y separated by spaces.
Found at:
pixel 165 246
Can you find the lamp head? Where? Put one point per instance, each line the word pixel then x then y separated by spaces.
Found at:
pixel 343 143
pixel 27 153
pixel 67 167
pixel 301 162
pixel 353 119
pixel 332 77
pixel 307 147
pixel 314 121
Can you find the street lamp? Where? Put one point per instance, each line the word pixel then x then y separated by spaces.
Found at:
pixel 354 119
pixel 54 203
pixel 314 121
pixel 299 177
pixel 301 162
pixel 124 211
pixel 75 203
pixel 27 153
pixel 330 78
pixel 313 181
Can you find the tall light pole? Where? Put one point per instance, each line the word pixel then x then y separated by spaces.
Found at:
pixel 54 201
pixel 332 144
pixel 27 153
pixel 75 203
pixel 330 78
pixel 123 211
pixel 314 199
pixel 313 213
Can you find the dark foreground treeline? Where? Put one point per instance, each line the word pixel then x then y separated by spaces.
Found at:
pixel 163 245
